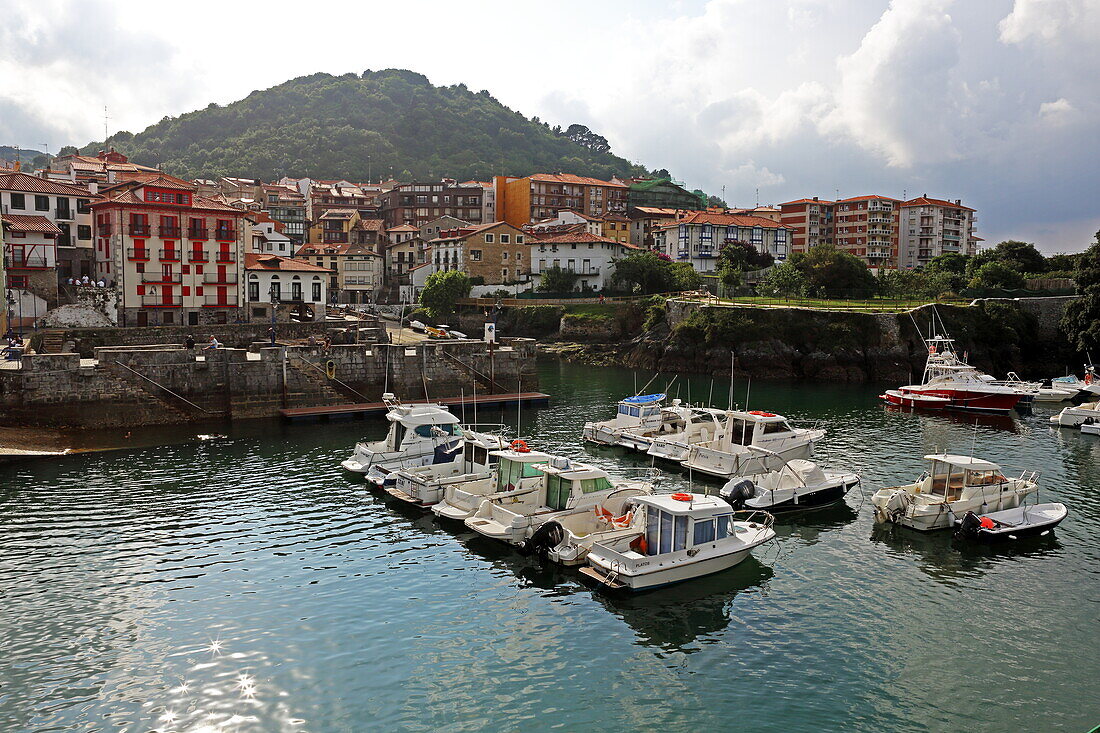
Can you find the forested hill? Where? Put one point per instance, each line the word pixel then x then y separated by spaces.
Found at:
pixel 360 127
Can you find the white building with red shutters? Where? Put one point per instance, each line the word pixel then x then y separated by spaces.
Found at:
pixel 175 256
pixel 30 265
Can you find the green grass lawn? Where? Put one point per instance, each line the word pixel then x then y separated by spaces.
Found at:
pixel 875 305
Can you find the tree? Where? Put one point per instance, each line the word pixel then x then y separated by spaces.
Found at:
pixel 584 137
pixel 684 277
pixel 714 201
pixel 1020 256
pixel 1081 320
pixel 831 271
pixel 650 273
pixel 947 271
pixel 997 274
pixel 730 277
pixel 783 280
pixel 900 283
pixel 442 290
pixel 556 280
pixel 743 256
pixel 68 150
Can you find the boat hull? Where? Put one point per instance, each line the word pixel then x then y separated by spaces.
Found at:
pixel 677 573
pixel 956 399
pixel 822 497
pixel 721 465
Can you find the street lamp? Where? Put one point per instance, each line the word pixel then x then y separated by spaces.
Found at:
pixel 11 309
pixel 273 292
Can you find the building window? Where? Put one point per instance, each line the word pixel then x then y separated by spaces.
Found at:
pixel 488 239
pixel 296 291
pixel 316 289
pixel 504 274
pixel 83 231
pixel 41 203
pixel 519 256
pixel 505 238
pixel 475 255
pixel 504 255
pixel 18 201
pixel 519 239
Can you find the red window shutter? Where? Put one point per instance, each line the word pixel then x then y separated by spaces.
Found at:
pixel 198 291
pixel 186 269
pixel 141 290
pixel 198 269
pixel 186 289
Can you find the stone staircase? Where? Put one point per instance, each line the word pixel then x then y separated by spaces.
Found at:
pixel 53 342
pixel 308 386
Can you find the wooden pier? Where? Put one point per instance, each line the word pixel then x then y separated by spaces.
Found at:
pixel 363 409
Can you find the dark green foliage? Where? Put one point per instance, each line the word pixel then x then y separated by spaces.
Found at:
pixel 833 333
pixel 997 274
pixel 358 128
pixel 655 313
pixel 556 280
pixel 783 281
pixel 532 320
pixel 1081 320
pixel 68 150
pixel 584 137
pixel 743 257
pixel 442 289
pixel 833 272
pixel 645 272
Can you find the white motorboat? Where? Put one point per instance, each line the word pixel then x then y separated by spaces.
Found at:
pixel 702 424
pixel 1035 520
pixel 1090 384
pixel 1054 393
pixel 1072 416
pixel 798 484
pixel 568 538
pixel 752 442
pixel 565 487
pixel 514 471
pixel 424 486
pixel 638 420
pixel 914 399
pixel 415 433
pixel 686 536
pixel 1090 428
pixel 953 486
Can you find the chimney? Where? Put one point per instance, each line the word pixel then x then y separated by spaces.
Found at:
pixel 93 187
pixel 815 198
pixel 958 202
pixel 18 166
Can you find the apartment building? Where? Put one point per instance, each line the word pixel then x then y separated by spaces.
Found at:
pixel 867 227
pixel 320 196
pixel 286 205
pixel 699 237
pixel 103 168
pixel 370 234
pixel 590 256
pixel 541 196
pixel 66 207
pixel 645 220
pixel 355 270
pixel 810 221
pixel 496 251
pixel 418 203
pixel 175 256
pixel 289 284
pixel 616 226
pixel 267 239
pixel 928 228
pixel 406 249
pixel 663 193
pixel 30 263
pixel 565 221
pixel 334 226
pixel 430 230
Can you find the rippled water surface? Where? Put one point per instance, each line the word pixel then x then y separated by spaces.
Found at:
pixel 246 583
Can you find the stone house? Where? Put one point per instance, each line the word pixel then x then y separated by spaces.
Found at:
pixel 496 252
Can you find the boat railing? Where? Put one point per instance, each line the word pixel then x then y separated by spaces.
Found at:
pixel 755 516
pixel 1029 476
pixel 648 473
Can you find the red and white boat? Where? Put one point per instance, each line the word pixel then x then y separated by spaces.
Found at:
pixel 949 382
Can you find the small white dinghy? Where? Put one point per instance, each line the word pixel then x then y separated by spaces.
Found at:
pixel 1036 520
pixel 798 484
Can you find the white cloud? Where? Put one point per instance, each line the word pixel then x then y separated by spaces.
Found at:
pixel 1045 20
pixel 1058 111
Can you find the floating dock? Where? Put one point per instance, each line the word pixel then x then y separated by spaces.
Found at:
pixel 363 409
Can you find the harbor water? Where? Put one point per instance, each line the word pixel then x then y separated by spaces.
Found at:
pixel 245 582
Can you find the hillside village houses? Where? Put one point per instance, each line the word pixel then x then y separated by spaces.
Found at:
pixel 188 252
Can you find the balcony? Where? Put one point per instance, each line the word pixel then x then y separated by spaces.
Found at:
pixel 228 300
pixel 170 255
pixel 229 278
pixel 878 254
pixel 65 214
pixel 198 255
pixel 954 237
pixel 104 230
pixel 198 233
pixel 159 278
pixel 875 231
pixel 225 234
pixel 879 207
pixel 134 253
pixel 169 232
pixel 879 219
pixel 139 230
pixel 158 300
pixel 26 262
pixel 225 257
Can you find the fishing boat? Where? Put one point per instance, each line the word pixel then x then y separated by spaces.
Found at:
pixel 953 486
pixel 514 470
pixel 568 538
pixel 1035 520
pixel 472 460
pixel 638 421
pixel 1073 416
pixel 686 536
pixel 416 431
pixel 752 442
pixel 954 384
pixel 565 487
pixel 702 424
pixel 797 485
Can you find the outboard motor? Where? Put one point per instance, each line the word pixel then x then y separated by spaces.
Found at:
pixel 737 492
pixel 968 526
pixel 545 538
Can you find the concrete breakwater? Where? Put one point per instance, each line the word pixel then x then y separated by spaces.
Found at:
pixel 135 385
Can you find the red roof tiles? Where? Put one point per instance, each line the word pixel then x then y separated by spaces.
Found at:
pixel 35 224
pixel 275 263
pixel 24 182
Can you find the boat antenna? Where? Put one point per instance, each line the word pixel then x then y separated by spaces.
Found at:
pixel 462 401
pixel 729 401
pixel 747 390
pixel 973 439
pixel 473 398
pixel 688 390
pixel 519 406
pixel 638 392
pixel 710 397
pixel 635 375
pixel 386 380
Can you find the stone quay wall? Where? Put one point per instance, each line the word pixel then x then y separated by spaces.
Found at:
pixel 84 341
pixel 130 386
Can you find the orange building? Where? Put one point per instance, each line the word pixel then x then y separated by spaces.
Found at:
pixel 810 220
pixel 867 227
pixel 520 201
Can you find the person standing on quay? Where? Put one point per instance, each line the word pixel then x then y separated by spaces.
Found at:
pixel 189 342
pixel 271 335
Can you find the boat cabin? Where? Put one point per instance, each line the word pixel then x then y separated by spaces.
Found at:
pixel 950 475
pixel 673 525
pixel 566 479
pixel 644 410
pixel 512 466
pixel 481 449
pixel 749 428
pixel 424 421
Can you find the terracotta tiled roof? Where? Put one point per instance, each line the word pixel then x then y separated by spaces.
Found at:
pixel 738 220
pixel 925 201
pixel 584 238
pixel 661 211
pixel 24 182
pixel 371 225
pixel 868 197
pixel 338 214
pixel 91 162
pixel 317 250
pixel 36 224
pixel 806 201
pixel 403 228
pixel 466 231
pixel 570 178
pixel 123 193
pixel 275 263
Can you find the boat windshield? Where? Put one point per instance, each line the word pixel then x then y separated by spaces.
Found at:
pixel 592 485
pixel 740 431
pixel 557 491
pixel 665 532
pixel 427 431
pixel 776 427
pixel 509 473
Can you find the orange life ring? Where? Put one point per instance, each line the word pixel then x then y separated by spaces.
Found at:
pixel 520 447
pixel 761 413
pixel 682 497
pixel 624 520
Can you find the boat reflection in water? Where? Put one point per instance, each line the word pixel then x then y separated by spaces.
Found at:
pixel 998 421
pixel 808 526
pixel 944 558
pixel 675 617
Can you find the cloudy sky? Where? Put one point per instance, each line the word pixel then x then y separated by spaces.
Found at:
pixel 996 102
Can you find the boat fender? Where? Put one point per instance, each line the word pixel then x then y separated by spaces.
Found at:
pixel 682 497
pixel 520 447
pixel 330 369
pixel 737 492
